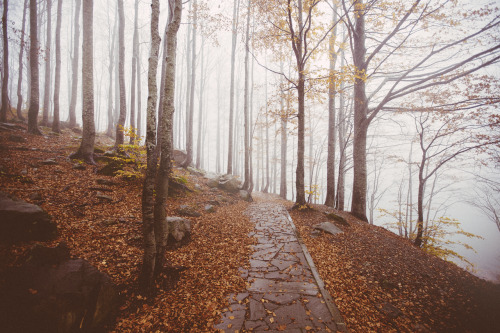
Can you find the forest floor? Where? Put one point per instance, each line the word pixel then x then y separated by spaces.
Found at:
pixel 379 282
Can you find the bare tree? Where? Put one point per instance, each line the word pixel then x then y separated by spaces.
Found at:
pixel 248 180
pixel 21 67
pixel 35 89
pixel 5 81
pixel 230 149
pixel 76 57
pixel 135 50
pixel 57 79
pixel 86 150
pixel 48 45
pixel 110 127
pixel 119 135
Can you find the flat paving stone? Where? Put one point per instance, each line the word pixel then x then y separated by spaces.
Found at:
pixel 282 294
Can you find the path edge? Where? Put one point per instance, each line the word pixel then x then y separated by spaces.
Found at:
pixel 330 304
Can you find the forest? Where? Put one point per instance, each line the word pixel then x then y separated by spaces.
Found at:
pixel 168 147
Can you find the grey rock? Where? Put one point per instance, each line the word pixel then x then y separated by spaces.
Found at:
pixel 195 171
pixel 213 183
pixel 49 161
pixel 197 187
pixel 185 210
pixel 103 197
pixel 245 195
pixel 78 166
pixel 106 182
pixel 179 231
pixel 229 183
pixel 337 218
pixel 16 138
pixel 179 156
pixel 328 227
pixel 209 208
pixel 22 221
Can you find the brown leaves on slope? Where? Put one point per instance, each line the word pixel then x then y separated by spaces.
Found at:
pixel 382 283
pixel 108 234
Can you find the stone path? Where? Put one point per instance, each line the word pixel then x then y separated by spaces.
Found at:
pixel 284 291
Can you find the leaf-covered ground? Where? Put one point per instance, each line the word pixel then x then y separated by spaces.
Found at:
pixel 108 233
pixel 382 283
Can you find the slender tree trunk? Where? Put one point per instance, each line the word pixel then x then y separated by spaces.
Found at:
pixel 57 79
pixel 360 117
pixel 119 136
pixel 134 72
pixel 20 79
pixel 35 91
pixel 76 56
pixel 110 127
pixel 420 198
pixel 247 182
pixel 231 88
pixel 5 79
pixel 189 129
pixel 48 45
pixel 165 136
pixel 86 150
pixel 200 108
pixel 342 120
pixel 139 93
pixel 299 173
pixel 146 279
pixel 188 73
pixel 330 163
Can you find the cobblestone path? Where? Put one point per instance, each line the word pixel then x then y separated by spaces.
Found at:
pixel 284 292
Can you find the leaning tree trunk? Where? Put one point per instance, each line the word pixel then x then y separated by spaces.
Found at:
pixel 46 92
pixel 76 55
pixel 86 150
pixel 35 89
pixel 57 79
pixel 5 81
pixel 146 279
pixel 165 136
pixel 358 205
pixel 119 136
pixel 21 67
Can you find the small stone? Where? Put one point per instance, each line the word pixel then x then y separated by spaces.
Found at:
pixel 24 172
pixel 36 196
pixel 106 182
pixel 209 208
pixel 79 166
pixel 197 187
pixel 49 161
pixel 103 197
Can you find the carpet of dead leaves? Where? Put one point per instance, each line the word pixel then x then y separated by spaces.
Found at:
pixel 108 233
pixel 382 283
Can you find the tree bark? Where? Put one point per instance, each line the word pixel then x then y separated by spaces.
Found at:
pixel 48 45
pixel 57 78
pixel 134 72
pixel 139 92
pixel 119 136
pixel 21 67
pixel 5 79
pixel 76 55
pixel 86 150
pixel 231 88
pixel 358 205
pixel 146 279
pixel 110 127
pixel 200 107
pixel 190 115
pixel 165 136
pixel 248 181
pixel 35 89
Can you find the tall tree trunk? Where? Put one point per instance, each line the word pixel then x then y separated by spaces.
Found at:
pixel 119 136
pixel 86 150
pixel 48 45
pixel 57 79
pixel 165 136
pixel 420 198
pixel 20 79
pixel 248 181
pixel 146 279
pixel 190 115
pixel 342 125
pixel 35 89
pixel 76 56
pixel 200 108
pixel 110 127
pixel 139 92
pixel 188 73
pixel 5 79
pixel 134 72
pixel 332 135
pixel 361 123
pixel 231 88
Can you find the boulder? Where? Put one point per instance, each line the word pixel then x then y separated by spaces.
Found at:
pixel 336 218
pixel 186 210
pixel 328 227
pixel 245 195
pixel 179 156
pixel 49 161
pixel 106 182
pixel 22 221
pixel 229 183
pixel 179 231
pixel 78 166
pixel 213 182
pixel 53 293
pixel 195 171
pixel 209 208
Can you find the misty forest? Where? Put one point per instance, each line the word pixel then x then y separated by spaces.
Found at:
pixel 250 165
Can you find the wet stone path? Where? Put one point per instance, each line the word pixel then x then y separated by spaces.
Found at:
pixel 282 292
